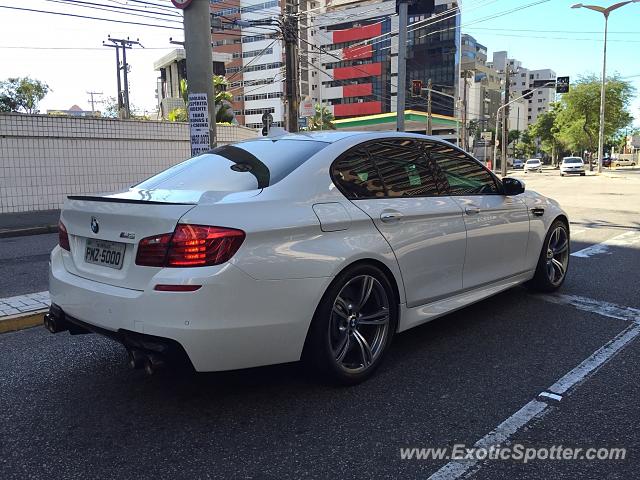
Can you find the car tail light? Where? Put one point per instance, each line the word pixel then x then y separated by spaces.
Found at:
pixel 190 246
pixel 152 251
pixel 63 237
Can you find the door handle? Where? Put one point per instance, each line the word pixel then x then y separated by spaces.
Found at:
pixel 390 217
pixel 472 210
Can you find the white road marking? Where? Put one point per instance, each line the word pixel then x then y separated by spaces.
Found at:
pixel 536 408
pixel 457 468
pixel 596 360
pixel 600 307
pixel 626 239
pixel 550 395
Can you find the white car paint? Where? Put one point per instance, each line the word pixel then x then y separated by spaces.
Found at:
pixel 572 165
pixel 532 165
pixel 301 232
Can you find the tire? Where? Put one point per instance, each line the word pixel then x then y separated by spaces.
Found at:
pixel 556 265
pixel 340 346
pixel 617 165
pixel 562 174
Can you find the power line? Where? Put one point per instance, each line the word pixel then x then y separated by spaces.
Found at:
pixel 115 9
pixel 89 18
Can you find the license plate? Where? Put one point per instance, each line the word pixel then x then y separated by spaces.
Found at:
pixel 102 252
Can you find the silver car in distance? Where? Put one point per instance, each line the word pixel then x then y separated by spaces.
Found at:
pixel 317 247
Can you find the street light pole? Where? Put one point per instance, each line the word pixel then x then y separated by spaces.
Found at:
pixel 602 96
pixel 605 12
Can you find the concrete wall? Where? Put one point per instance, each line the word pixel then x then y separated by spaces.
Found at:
pixel 44 158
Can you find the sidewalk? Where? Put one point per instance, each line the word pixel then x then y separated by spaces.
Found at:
pixel 28 223
pixel 23 311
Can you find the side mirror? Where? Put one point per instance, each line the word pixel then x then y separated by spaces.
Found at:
pixel 512 186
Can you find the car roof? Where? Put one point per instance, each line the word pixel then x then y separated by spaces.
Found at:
pixel 533 160
pixel 335 136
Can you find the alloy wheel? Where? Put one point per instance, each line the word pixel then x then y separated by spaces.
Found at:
pixel 359 324
pixel 557 255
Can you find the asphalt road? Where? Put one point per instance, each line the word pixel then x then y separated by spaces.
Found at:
pixel 71 409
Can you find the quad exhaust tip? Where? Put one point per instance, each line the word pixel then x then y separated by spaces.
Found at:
pixel 54 324
pixel 149 361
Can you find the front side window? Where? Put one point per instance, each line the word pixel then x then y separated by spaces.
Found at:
pixel 464 175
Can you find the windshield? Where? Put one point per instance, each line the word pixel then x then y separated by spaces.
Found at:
pixel 234 168
pixel 572 160
pixel 533 161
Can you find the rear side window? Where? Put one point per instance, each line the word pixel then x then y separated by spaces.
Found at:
pixel 464 175
pixel 357 176
pixel 404 170
pixel 234 168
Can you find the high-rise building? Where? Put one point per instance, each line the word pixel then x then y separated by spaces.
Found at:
pixel 256 72
pixel 525 79
pixel 357 63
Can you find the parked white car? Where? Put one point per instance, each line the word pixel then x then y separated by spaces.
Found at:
pixel 314 246
pixel 533 165
pixel 623 162
pixel 572 166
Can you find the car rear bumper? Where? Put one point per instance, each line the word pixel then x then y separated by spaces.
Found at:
pixel 233 321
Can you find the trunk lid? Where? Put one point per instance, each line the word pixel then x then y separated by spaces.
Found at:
pixel 118 222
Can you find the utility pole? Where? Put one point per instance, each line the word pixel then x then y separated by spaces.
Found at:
pixel 124 107
pixel 505 121
pixel 197 43
pixel 93 101
pixel 465 136
pixel 429 108
pixel 290 34
pixel 403 12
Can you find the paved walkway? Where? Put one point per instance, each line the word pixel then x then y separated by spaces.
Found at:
pixel 30 302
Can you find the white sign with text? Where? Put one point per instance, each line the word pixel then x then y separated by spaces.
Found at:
pixel 199 123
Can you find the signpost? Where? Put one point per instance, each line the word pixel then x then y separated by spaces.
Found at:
pixel 307 109
pixel 562 85
pixel 267 121
pixel 199 123
pixel 181 4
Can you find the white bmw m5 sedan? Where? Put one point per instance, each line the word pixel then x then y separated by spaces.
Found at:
pixel 314 246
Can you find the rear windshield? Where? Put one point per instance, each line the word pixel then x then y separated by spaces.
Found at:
pixel 235 168
pixel 572 160
pixel 533 161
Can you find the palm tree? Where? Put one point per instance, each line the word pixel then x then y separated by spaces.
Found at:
pixel 224 110
pixel 322 119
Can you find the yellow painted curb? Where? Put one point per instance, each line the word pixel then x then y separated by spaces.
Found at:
pixel 24 320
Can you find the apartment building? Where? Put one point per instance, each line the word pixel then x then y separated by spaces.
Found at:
pixel 525 79
pixel 358 60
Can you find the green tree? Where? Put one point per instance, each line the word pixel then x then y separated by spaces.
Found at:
pixel 578 120
pixel 22 94
pixel 322 119
pixel 547 131
pixel 224 109
pixel 525 147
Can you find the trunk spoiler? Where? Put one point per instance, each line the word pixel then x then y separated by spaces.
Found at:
pixel 144 196
pixel 91 198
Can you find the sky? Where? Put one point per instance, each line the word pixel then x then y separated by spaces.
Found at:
pixel 67 52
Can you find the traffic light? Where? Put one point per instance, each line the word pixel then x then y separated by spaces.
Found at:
pixel 562 85
pixel 416 88
pixel 528 94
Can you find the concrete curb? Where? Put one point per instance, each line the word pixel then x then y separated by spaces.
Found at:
pixel 19 232
pixel 21 321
